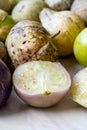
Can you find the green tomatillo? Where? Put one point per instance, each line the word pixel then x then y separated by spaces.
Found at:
pixel 80 47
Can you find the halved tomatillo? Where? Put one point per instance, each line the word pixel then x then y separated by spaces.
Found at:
pixel 41 83
pixel 79 87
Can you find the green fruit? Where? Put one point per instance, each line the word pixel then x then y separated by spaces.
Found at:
pixel 80 47
pixel 6 22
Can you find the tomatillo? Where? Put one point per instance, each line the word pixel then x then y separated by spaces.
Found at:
pixel 80 47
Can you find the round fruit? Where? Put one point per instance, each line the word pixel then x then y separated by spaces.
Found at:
pixel 63 26
pixel 5 83
pixel 27 41
pixel 3 52
pixel 59 4
pixel 5 5
pixel 80 47
pixel 13 2
pixel 79 87
pixel 29 9
pixel 6 22
pixel 41 83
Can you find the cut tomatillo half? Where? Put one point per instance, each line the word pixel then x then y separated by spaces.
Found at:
pixel 41 83
pixel 79 87
pixel 6 22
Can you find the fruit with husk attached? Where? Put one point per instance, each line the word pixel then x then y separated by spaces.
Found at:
pixel 6 23
pixel 28 10
pixel 59 4
pixel 63 26
pixel 79 7
pixel 27 41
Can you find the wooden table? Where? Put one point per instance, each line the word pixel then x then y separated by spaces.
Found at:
pixel 66 115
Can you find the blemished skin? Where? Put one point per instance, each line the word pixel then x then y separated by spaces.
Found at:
pixel 28 41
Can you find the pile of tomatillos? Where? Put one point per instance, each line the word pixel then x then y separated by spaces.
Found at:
pixel 34 35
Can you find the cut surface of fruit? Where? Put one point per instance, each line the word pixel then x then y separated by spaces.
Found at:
pixel 37 77
pixel 43 79
pixel 79 87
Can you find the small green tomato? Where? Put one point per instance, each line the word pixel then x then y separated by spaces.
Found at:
pixel 80 47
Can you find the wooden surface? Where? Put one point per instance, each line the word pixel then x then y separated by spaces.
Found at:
pixel 65 115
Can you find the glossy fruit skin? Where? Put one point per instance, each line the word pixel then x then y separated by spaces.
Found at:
pixel 80 48
pixel 5 83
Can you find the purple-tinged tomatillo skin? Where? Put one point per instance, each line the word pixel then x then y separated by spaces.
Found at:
pixel 38 86
pixel 42 100
pixel 5 83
